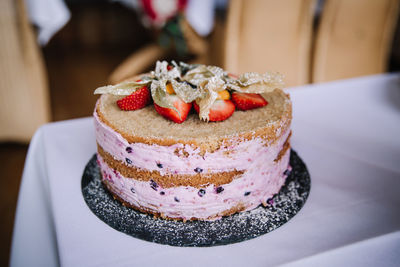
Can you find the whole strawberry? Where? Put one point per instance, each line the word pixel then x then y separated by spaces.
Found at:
pixel 137 100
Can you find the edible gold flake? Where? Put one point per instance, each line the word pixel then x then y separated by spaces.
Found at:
pixel 124 88
pixel 251 82
pixel 198 83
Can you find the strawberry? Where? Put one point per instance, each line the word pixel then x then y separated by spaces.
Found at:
pixel 233 76
pixel 171 114
pixel 137 100
pixel 245 101
pixel 220 110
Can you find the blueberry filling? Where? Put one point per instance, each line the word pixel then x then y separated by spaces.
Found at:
pixel 159 165
pixel 247 193
pixel 286 172
pixel 176 199
pixel 201 192
pixel 133 190
pixel 128 149
pixel 198 170
pixel 128 161
pixel 153 185
pixel 219 189
pixel 162 193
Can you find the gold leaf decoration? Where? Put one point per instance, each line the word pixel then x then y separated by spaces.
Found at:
pixel 124 88
pixel 192 82
pixel 251 82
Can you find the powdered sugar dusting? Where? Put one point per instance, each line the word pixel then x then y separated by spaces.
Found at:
pixel 231 229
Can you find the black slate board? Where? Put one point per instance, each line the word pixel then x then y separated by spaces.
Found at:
pixel 228 230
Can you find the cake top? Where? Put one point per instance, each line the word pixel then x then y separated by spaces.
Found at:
pixel 146 125
pixel 175 87
pixel 229 107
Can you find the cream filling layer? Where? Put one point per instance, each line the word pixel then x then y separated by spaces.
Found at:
pixel 254 187
pixel 244 156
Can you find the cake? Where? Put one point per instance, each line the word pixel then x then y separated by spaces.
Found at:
pixel 206 166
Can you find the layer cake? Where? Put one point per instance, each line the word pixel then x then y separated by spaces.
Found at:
pixel 194 170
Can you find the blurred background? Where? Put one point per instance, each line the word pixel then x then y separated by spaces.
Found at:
pixel 54 53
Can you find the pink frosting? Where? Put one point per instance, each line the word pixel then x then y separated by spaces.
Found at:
pixel 245 156
pixel 255 186
pixel 262 178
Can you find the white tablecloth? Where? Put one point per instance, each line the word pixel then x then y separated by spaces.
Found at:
pixel 348 134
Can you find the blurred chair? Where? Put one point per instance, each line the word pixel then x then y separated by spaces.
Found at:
pixel 144 58
pixel 269 35
pixel 259 35
pixel 354 38
pixel 137 63
pixel 24 101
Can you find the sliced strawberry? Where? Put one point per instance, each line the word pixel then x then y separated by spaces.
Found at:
pixel 232 75
pixel 136 100
pixel 220 110
pixel 184 109
pixel 244 101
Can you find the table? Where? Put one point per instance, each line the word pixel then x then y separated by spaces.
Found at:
pixel 348 134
